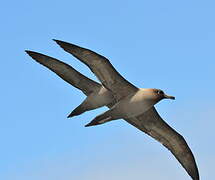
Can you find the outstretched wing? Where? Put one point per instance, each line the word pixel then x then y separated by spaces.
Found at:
pixel 102 68
pixel 152 124
pixel 66 72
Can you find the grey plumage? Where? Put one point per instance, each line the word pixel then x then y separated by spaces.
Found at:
pixel 124 100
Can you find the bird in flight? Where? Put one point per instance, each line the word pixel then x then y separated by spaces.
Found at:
pixel 124 100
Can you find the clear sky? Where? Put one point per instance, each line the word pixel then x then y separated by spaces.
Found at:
pixel 163 44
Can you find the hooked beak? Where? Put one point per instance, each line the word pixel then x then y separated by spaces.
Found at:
pixel 169 97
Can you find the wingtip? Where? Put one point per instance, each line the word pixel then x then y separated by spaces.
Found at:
pixel 65 45
pixel 55 40
pixel 28 51
pixel 33 54
pixel 195 175
pixel 59 42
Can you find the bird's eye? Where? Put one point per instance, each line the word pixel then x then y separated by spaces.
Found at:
pixel 160 92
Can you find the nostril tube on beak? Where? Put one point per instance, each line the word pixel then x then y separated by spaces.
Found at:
pixel 169 97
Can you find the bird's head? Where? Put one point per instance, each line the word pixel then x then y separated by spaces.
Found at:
pixel 161 95
pixel 157 94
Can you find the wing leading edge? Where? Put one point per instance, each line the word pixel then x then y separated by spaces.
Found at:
pixel 66 72
pixel 102 68
pixel 152 124
pixel 149 122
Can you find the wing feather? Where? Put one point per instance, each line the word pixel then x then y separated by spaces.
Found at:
pixel 66 72
pixel 102 68
pixel 149 122
pixel 152 124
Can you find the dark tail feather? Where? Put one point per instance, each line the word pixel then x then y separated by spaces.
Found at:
pixel 98 122
pixel 77 111
pixel 92 123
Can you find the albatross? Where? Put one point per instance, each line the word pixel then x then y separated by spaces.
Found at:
pixel 124 100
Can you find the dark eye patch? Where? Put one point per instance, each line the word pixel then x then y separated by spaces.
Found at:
pixel 160 92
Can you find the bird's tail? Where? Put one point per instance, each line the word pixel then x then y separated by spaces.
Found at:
pixel 77 111
pixel 101 119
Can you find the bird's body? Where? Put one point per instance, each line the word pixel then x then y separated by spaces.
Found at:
pixel 137 103
pixel 125 101
pixel 133 105
pixel 98 98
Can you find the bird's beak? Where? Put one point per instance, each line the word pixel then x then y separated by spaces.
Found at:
pixel 169 97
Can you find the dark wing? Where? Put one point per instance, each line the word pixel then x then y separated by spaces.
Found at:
pixel 102 68
pixel 152 124
pixel 66 72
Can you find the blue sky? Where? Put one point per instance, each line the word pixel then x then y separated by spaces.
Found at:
pixel 163 44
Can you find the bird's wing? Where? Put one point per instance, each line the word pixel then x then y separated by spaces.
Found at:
pixel 102 68
pixel 152 124
pixel 66 72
